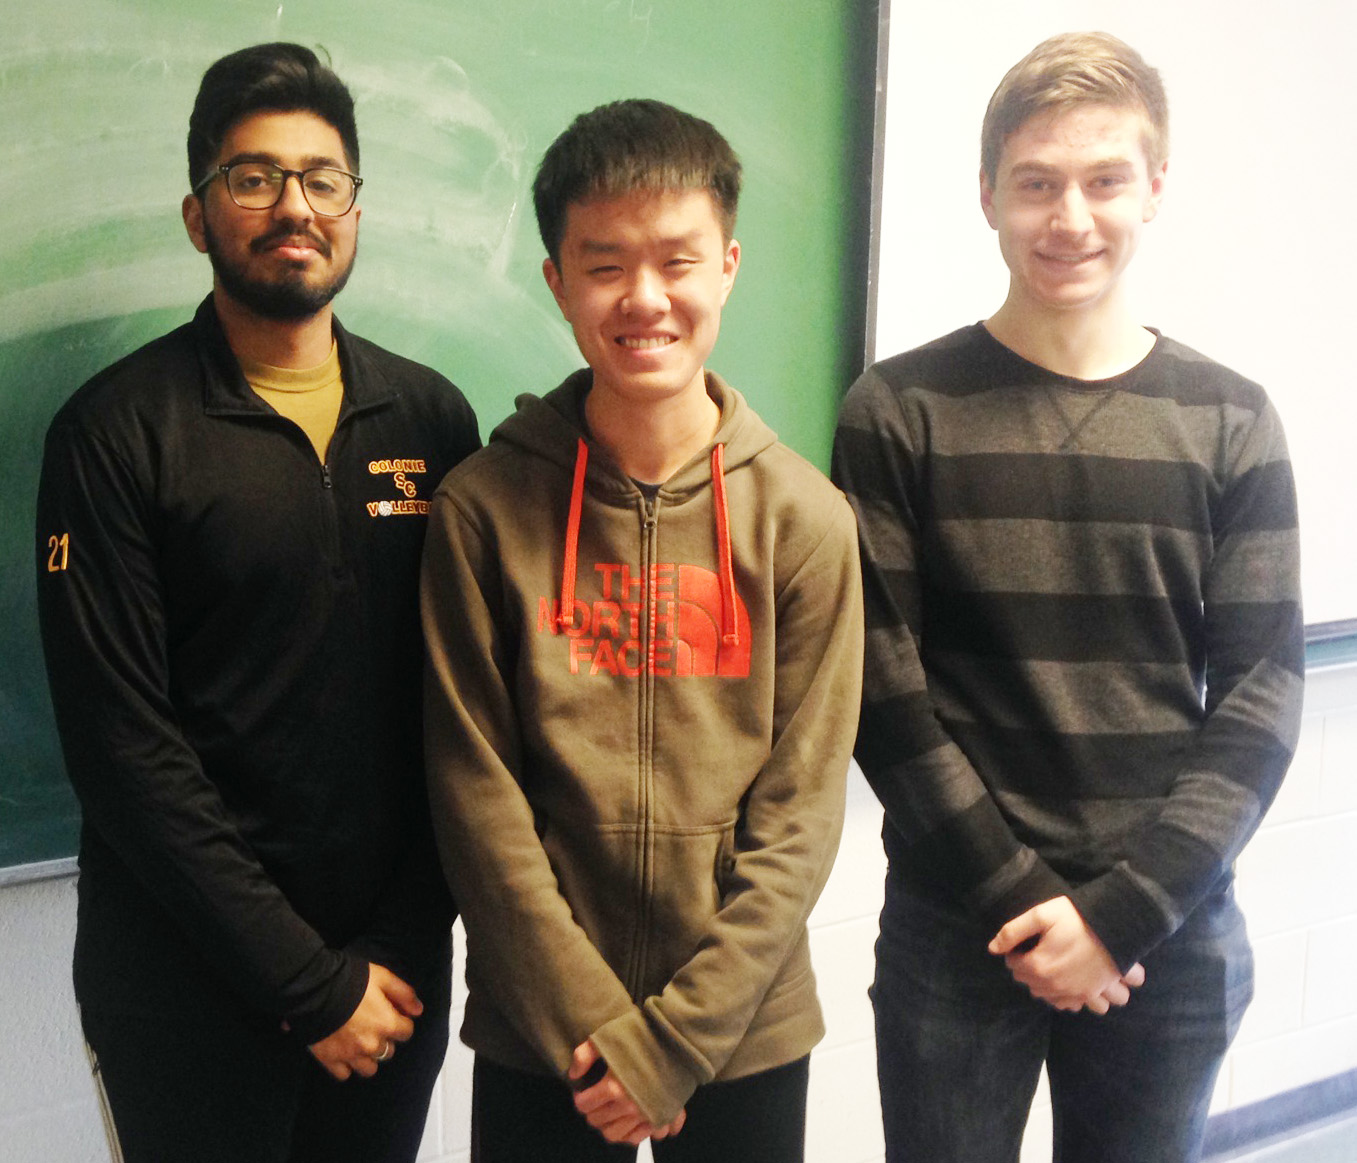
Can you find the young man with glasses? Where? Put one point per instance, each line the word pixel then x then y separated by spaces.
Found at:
pixel 233 647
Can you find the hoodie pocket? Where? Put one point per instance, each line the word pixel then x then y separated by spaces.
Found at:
pixel 645 898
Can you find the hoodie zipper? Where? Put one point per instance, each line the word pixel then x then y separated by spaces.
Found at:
pixel 645 761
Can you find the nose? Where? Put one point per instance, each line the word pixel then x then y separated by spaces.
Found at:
pixel 645 292
pixel 1072 214
pixel 292 204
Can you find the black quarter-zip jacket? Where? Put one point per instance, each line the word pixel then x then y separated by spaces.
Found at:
pixel 233 646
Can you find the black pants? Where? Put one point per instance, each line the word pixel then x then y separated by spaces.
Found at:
pixel 960 1045
pixel 530 1118
pixel 217 1085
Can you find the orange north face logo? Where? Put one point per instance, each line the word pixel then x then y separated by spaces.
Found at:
pixel 685 625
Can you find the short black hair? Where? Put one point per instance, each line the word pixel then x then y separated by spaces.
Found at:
pixel 637 144
pixel 277 76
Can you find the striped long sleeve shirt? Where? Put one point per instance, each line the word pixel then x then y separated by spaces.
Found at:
pixel 1084 658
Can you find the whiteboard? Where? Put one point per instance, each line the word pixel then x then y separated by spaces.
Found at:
pixel 1253 257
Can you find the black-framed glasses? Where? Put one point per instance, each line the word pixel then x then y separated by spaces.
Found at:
pixel 259 186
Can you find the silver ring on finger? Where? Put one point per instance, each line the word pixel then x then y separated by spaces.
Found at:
pixel 386 1052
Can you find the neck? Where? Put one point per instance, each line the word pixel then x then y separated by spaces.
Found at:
pixel 652 440
pixel 290 343
pixel 1091 343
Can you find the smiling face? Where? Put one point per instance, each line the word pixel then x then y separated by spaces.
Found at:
pixel 286 262
pixel 1072 192
pixel 642 280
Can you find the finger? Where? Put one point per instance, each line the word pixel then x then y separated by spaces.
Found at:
pixel 1117 994
pixel 587 1067
pixel 1135 976
pixel 671 1128
pixel 581 1060
pixel 400 994
pixel 604 1093
pixel 1098 1005
pixel 627 1129
pixel 1015 933
pixel 364 1066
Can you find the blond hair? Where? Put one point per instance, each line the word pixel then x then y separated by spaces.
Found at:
pixel 1071 70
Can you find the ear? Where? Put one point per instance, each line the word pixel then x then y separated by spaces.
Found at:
pixel 729 269
pixel 556 283
pixel 1156 194
pixel 192 210
pixel 987 200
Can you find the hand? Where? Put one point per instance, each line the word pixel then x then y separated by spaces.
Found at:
pixel 1119 992
pixel 383 1018
pixel 1061 961
pixel 609 1109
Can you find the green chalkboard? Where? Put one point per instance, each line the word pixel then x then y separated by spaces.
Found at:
pixel 457 99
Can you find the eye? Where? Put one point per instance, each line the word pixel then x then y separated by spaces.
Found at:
pixel 250 178
pixel 322 182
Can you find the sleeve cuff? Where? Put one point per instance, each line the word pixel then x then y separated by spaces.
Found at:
pixel 1127 924
pixel 657 1074
pixel 338 1004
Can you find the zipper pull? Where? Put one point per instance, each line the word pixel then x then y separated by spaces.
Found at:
pixel 326 481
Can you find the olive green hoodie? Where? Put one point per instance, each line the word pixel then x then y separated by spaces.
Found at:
pixel 639 718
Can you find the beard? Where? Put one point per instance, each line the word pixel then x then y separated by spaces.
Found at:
pixel 289 296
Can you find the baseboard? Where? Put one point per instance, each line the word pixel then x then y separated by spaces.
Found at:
pixel 1282 1114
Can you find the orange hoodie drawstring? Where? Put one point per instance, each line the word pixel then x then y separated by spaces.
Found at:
pixel 572 537
pixel 730 632
pixel 730 628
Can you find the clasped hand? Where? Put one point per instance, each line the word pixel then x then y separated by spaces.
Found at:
pixel 609 1109
pixel 384 1016
pixel 1052 951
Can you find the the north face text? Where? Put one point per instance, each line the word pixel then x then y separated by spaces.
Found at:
pixel 684 612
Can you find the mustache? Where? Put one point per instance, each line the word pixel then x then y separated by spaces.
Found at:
pixel 285 234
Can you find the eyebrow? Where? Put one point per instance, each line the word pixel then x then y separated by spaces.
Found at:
pixel 678 242
pixel 1022 169
pixel 311 162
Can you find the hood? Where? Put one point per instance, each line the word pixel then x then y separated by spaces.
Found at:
pixel 552 427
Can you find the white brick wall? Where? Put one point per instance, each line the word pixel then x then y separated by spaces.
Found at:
pixel 1296 885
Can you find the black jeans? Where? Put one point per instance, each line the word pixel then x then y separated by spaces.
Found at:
pixel 214 1084
pixel 960 1045
pixel 530 1118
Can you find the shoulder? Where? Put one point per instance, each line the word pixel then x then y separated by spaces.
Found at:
pixel 486 489
pixel 808 510
pixel 495 464
pixel 423 393
pixel 961 363
pixel 1191 378
pixel 414 380
pixel 141 389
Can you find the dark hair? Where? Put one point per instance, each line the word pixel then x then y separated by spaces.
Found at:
pixel 633 145
pixel 279 76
